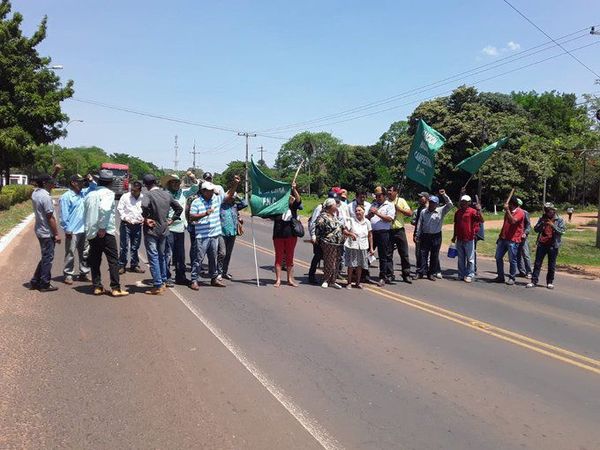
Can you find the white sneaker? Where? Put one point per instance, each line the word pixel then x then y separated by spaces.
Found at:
pixel 530 285
pixel 468 279
pixel 337 286
pixel 219 277
pixel 528 276
pixel 438 275
pixel 325 285
pixel 349 286
pixel 550 286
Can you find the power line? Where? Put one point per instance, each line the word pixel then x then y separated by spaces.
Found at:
pixel 553 40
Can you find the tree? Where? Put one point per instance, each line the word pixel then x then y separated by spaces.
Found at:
pixel 30 93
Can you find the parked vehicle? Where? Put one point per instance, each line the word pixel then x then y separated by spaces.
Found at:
pixel 121 177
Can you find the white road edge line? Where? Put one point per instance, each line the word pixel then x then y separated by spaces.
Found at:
pixel 310 424
pixel 7 238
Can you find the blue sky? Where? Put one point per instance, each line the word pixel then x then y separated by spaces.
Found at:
pixel 256 65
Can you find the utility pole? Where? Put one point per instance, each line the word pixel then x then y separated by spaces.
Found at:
pixel 194 152
pixel 261 148
pixel 247 135
pixel 176 160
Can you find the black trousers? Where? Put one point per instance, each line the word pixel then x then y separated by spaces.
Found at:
pixel 381 241
pixel 108 246
pixel 540 254
pixel 398 237
pixel 317 257
pixel 429 262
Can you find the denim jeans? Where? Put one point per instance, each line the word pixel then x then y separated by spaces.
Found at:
pixel 524 258
pixel 175 251
pixel 223 261
pixel 540 254
pixel 466 258
pixel 503 246
pixel 193 250
pixel 208 247
pixel 42 276
pixel 155 249
pixel 131 238
pixel 106 245
pixel 76 243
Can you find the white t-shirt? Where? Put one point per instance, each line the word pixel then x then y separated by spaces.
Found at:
pixel 361 229
pixel 386 209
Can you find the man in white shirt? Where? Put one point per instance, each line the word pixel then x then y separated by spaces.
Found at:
pixel 381 214
pixel 130 230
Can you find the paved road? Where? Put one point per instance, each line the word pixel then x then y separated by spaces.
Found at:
pixel 435 365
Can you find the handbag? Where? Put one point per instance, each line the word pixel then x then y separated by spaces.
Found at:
pixel 297 228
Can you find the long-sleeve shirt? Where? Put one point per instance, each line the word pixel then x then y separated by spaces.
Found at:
pixel 465 223
pixel 431 222
pixel 181 196
pixel 156 205
pixel 72 210
pixel 99 207
pixel 550 231
pixel 130 208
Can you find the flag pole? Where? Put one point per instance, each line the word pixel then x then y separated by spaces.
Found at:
pixel 254 247
pixel 470 178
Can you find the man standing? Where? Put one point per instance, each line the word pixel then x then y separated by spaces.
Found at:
pixel 205 213
pixel 100 228
pixel 207 176
pixel 175 247
pixel 423 202
pixel 550 228
pixel 361 199
pixel 429 235
pixel 155 209
pixel 130 212
pixel 466 221
pixel 46 230
pixel 509 240
pixel 398 234
pixel 381 214
pixel 72 222
pixel 523 254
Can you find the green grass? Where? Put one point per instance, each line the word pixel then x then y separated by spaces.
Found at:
pixel 9 219
pixel 578 246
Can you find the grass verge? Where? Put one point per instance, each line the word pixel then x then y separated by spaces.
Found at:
pixel 12 217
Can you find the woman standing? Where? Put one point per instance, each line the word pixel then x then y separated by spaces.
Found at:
pixel 358 246
pixel 284 240
pixel 330 233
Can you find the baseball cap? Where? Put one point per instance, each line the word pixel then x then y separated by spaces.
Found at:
pixel 519 202
pixel 465 198
pixel 434 199
pixel 344 193
pixel 148 179
pixel 423 194
pixel 105 175
pixel 208 186
pixel 77 178
pixel 207 176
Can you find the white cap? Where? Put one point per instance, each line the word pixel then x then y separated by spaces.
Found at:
pixel 207 185
pixel 465 198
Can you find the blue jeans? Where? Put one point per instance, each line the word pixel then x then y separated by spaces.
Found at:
pixel 466 258
pixel 524 258
pixel 130 240
pixel 540 254
pixel 176 250
pixel 193 250
pixel 208 247
pixel 41 277
pixel 155 249
pixel 503 246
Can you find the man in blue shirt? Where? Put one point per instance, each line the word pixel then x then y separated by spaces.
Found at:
pixel 73 224
pixel 205 214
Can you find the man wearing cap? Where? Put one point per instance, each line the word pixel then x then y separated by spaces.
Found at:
pixel 72 222
pixel 423 199
pixel 46 230
pixel 207 176
pixel 398 234
pixel 466 220
pixel 550 228
pixel 222 250
pixel 156 206
pixel 429 234
pixel 205 214
pixel 381 214
pixel 175 247
pixel 130 230
pixel 100 230
pixel 523 254
pixel 509 240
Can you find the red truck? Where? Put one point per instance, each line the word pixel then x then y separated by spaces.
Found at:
pixel 121 177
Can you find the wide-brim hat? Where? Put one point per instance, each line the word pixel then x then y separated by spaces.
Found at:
pixel 164 180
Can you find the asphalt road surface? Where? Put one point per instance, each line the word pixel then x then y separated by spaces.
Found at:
pixel 433 365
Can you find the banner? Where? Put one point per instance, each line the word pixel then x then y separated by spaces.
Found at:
pixel 269 197
pixel 473 163
pixel 421 159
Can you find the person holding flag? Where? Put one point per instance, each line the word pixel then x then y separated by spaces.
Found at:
pixel 284 239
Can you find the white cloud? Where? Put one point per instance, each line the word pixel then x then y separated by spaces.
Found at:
pixel 490 50
pixel 514 46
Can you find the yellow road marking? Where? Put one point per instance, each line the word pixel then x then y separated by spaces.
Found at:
pixel 552 351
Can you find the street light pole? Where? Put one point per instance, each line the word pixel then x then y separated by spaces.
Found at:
pixel 247 135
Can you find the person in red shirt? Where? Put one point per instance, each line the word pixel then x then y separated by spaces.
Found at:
pixel 509 240
pixel 466 223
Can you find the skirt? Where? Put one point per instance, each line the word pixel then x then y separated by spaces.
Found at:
pixel 354 257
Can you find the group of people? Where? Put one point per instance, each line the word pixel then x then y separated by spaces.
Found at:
pixel 159 211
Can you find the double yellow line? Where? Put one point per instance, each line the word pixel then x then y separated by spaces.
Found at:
pixel 552 351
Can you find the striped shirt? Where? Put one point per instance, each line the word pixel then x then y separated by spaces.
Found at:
pixel 209 226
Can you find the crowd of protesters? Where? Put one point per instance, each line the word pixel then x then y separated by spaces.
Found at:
pixel 345 235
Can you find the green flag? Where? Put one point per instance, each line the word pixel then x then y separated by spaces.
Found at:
pixel 269 197
pixel 421 159
pixel 473 163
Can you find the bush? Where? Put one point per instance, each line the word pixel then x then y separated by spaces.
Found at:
pixel 19 193
pixel 5 201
